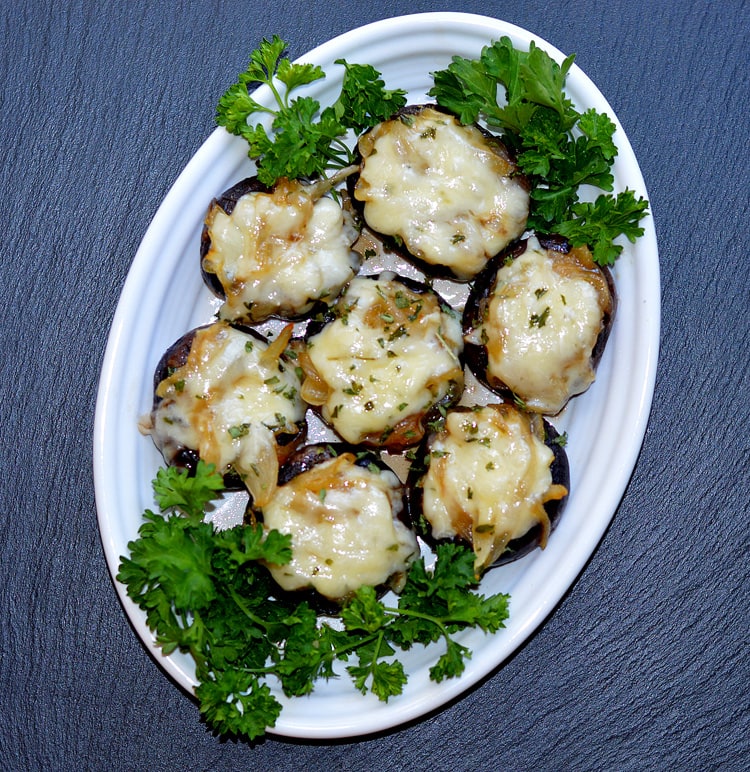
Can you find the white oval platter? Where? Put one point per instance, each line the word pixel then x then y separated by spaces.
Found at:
pixel 164 296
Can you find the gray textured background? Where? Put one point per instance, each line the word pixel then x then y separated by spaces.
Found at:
pixel 644 663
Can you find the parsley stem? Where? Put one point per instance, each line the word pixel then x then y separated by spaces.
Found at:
pixel 419 615
pixel 246 611
pixel 282 103
pixel 376 653
pixel 337 651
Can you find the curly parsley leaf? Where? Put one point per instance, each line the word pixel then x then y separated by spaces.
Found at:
pixel 236 703
pixel 302 141
pixel 294 75
pixel 467 89
pixel 169 570
pixel 433 605
pixel 384 678
pixel 557 148
pixel 176 488
pixel 364 612
pixel 364 99
pixel 600 222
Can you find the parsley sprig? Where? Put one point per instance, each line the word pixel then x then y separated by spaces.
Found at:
pixel 557 147
pixel 206 592
pixel 303 141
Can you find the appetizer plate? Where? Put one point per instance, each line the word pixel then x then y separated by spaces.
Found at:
pixel 164 296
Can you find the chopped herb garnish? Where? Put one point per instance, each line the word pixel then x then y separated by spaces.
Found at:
pixel 401 300
pixel 235 432
pixel 399 332
pixel 539 320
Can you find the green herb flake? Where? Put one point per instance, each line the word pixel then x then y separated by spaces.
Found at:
pixel 539 320
pixel 235 432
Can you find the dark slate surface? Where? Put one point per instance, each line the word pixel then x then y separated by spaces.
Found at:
pixel 644 663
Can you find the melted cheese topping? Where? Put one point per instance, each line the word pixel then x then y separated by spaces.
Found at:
pixel 278 252
pixel 543 320
pixel 343 520
pixel 228 401
pixel 488 479
pixel 389 356
pixel 442 189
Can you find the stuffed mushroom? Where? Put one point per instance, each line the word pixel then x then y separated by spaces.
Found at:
pixel 345 512
pixel 450 194
pixel 229 397
pixel 383 361
pixel 493 477
pixel 536 322
pixel 279 252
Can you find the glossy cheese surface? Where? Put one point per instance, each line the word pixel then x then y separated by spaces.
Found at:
pixel 390 354
pixel 228 402
pixel 488 478
pixel 542 322
pixel 343 519
pixel 442 188
pixel 278 252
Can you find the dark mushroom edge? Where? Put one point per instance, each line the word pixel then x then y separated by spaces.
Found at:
pixel 227 202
